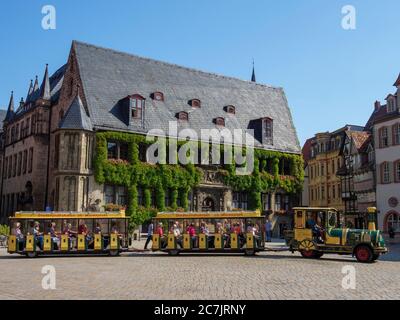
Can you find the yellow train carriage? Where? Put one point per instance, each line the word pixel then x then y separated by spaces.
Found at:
pixel 206 232
pixel 38 233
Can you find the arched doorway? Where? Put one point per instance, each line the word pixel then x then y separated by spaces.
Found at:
pixel 392 220
pixel 208 204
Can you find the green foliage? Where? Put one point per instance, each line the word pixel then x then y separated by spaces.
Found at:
pixel 270 178
pixel 134 174
pixel 4 230
pixel 141 215
pixel 180 179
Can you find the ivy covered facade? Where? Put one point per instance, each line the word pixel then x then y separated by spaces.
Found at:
pixel 101 105
pixel 273 187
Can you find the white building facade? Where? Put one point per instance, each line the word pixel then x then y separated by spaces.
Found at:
pixel 386 130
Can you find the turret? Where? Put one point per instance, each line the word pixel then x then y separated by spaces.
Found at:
pixel 30 91
pixel 10 110
pixel 44 96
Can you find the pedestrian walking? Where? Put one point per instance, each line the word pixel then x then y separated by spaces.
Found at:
pixel 268 230
pixel 150 231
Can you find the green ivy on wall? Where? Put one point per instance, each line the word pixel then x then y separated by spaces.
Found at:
pixel 182 178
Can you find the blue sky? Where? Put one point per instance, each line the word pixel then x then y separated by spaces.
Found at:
pixel 331 76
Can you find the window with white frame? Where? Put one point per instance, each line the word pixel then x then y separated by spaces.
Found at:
pixel 268 131
pixel 397 170
pixel 239 200
pixel 393 221
pixel 115 195
pixel 266 201
pixel 278 202
pixel 385 172
pixel 384 137
pixel 396 134
pixel 137 107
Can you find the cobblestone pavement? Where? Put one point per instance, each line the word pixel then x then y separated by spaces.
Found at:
pixel 270 275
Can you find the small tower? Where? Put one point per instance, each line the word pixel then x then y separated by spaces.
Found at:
pixel 10 110
pixel 44 96
pixel 21 103
pixel 253 76
pixel 35 93
pixel 30 91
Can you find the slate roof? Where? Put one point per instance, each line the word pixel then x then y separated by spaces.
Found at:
pixel 2 117
pixel 76 117
pixel 109 76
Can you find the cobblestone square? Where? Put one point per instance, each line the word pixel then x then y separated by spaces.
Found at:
pixel 270 275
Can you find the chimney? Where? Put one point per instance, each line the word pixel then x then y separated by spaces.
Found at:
pixel 377 105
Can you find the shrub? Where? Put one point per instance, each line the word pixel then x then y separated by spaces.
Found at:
pixel 4 230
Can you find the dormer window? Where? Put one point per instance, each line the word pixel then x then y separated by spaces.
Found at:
pixel 230 109
pixel 195 103
pixel 137 106
pixel 183 116
pixel 268 131
pixel 220 121
pixel 391 104
pixel 158 96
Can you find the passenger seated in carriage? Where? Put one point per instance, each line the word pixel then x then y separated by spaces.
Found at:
pixel 19 236
pixel 54 236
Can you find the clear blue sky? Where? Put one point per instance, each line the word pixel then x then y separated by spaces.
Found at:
pixel 331 76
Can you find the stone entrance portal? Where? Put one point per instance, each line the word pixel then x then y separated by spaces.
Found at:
pixel 208 204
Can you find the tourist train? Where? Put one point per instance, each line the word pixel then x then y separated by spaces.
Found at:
pixel 316 231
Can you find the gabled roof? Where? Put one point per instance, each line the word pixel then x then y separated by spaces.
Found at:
pixel 397 83
pixel 306 151
pixel 76 117
pixel 359 138
pixel 376 114
pixel 108 76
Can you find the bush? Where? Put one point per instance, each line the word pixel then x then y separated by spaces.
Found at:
pixel 4 230
pixel 141 215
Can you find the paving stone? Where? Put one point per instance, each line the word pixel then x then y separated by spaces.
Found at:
pixel 270 275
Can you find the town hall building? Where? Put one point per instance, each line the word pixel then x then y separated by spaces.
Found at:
pixel 77 142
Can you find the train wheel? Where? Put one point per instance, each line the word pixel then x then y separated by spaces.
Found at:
pixel 249 252
pixel 32 254
pixel 364 254
pixel 375 256
pixel 114 253
pixel 307 254
pixel 307 249
pixel 173 252
pixel 318 255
